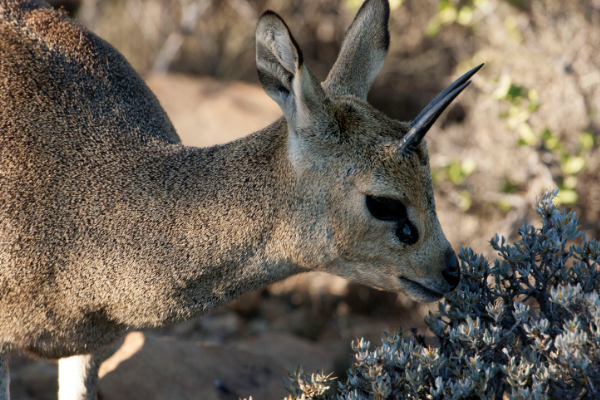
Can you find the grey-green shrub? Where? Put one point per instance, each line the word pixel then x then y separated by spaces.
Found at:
pixel 526 326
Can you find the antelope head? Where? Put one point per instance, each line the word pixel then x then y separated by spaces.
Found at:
pixel 363 206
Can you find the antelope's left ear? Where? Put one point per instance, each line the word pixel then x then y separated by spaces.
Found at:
pixel 363 51
pixel 284 75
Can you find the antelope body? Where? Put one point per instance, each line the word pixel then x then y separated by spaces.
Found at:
pixel 107 222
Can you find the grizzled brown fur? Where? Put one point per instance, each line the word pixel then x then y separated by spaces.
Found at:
pixel 107 222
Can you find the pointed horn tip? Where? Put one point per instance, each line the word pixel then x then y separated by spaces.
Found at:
pixel 477 68
pixel 469 74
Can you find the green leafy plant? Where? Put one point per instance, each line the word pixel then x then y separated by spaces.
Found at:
pixel 449 12
pixel 524 326
pixel 522 104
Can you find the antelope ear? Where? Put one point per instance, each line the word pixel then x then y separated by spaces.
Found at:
pixel 283 74
pixel 363 51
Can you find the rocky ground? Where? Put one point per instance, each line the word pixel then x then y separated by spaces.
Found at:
pixel 226 355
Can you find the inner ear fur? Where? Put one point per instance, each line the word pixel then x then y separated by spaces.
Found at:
pixel 283 73
pixel 363 52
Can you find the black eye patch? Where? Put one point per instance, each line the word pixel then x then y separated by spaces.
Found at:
pixel 386 209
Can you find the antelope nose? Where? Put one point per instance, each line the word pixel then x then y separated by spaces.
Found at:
pixel 452 271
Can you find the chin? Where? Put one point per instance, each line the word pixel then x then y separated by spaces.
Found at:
pixel 418 292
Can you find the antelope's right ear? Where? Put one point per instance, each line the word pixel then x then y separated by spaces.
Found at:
pixel 363 51
pixel 283 74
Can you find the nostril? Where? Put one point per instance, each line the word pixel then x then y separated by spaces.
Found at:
pixel 452 271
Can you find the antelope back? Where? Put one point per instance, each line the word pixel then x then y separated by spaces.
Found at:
pixel 70 81
pixel 365 206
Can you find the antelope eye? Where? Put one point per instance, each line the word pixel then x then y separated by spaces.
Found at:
pixel 386 209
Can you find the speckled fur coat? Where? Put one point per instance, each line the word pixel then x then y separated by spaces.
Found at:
pixel 89 165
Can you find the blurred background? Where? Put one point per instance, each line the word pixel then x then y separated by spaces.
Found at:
pixel 529 121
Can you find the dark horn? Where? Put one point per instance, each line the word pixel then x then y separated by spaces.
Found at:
pixel 420 127
pixel 445 92
pixel 430 114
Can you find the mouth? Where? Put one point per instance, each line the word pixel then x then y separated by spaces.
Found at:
pixel 419 292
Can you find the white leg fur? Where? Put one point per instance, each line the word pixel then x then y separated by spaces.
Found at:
pixel 4 376
pixel 77 377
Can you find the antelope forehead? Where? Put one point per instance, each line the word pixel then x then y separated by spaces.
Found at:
pixel 404 177
pixel 360 122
